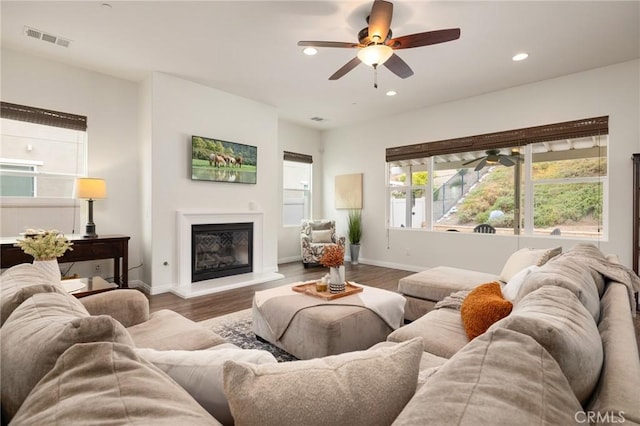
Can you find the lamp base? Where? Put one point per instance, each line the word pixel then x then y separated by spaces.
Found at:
pixel 90 231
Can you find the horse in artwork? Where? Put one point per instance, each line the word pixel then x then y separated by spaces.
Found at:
pixel 239 161
pixel 217 160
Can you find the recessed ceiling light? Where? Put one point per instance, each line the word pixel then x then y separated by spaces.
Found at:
pixel 391 93
pixel 310 51
pixel 520 57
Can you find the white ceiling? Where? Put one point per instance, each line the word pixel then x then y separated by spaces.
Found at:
pixel 249 48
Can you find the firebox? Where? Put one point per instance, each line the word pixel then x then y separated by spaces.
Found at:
pixel 220 250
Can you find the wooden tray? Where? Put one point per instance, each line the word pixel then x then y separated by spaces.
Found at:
pixel 310 289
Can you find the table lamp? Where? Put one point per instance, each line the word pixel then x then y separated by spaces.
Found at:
pixel 91 189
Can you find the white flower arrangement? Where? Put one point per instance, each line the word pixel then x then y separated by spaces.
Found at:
pixel 44 245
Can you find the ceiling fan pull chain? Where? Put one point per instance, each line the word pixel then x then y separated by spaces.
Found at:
pixel 375 76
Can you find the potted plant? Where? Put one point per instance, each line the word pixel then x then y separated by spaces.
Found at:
pixel 45 247
pixel 354 227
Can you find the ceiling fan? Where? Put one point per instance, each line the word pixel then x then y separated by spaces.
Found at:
pixel 493 157
pixel 376 43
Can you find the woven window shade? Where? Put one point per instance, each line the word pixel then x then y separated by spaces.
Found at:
pixel 550 132
pixel 43 116
pixel 299 158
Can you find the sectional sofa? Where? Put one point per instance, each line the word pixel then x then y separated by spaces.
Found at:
pixel 566 354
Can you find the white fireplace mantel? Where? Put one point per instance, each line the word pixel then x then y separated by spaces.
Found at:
pixel 185 219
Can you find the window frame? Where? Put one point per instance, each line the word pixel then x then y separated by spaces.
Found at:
pixel 293 157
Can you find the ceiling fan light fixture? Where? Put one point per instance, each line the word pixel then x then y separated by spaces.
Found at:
pixel 310 51
pixel 375 54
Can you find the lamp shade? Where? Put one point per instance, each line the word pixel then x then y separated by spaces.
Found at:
pixel 90 188
pixel 375 54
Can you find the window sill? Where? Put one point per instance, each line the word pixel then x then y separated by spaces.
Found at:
pixel 20 202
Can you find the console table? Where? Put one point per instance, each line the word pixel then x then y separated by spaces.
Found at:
pixel 114 247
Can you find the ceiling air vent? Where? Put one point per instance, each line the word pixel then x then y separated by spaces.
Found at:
pixel 50 38
pixel 317 119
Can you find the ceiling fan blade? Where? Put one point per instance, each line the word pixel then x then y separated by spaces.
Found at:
pixel 506 161
pixel 472 161
pixel 424 39
pixel 481 164
pixel 380 20
pixel 399 67
pixel 345 68
pixel 327 44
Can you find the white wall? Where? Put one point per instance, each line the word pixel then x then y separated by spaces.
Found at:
pixel 111 106
pixel 180 109
pixel 612 91
pixel 303 140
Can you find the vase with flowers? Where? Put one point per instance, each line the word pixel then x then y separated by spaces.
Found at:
pixel 46 246
pixel 333 258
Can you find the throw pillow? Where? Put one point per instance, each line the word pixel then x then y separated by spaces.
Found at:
pixel 355 388
pixel 557 320
pixel 482 307
pixel 107 383
pixel 511 289
pixel 37 333
pixel 200 373
pixel 527 257
pixel 321 236
pixel 500 378
pixel 19 283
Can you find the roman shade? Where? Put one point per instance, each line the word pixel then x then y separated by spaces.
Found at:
pixel 518 137
pixel 299 158
pixel 43 116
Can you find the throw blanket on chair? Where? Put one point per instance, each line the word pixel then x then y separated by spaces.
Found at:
pixel 387 305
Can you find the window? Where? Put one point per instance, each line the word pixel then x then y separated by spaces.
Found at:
pixel 296 192
pixel 548 180
pixel 42 152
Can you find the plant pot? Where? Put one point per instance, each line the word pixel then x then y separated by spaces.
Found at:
pixel 355 253
pixel 49 268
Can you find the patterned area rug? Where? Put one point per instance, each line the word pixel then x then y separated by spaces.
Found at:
pixel 236 328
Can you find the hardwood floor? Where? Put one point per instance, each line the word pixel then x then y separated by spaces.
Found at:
pixel 214 305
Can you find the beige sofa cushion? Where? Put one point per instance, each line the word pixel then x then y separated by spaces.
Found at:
pixel 617 389
pixel 441 331
pixel 168 330
pixel 38 332
pixel 437 283
pixel 556 319
pixel 527 257
pixel 500 378
pixel 200 373
pixel 19 283
pixel 567 272
pixel 356 388
pixel 108 384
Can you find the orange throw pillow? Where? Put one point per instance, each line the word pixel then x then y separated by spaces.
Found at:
pixel 483 306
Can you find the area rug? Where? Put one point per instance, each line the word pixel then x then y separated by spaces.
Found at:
pixel 236 328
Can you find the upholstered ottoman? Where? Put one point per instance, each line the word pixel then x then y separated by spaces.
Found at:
pixel 319 328
pixel 424 289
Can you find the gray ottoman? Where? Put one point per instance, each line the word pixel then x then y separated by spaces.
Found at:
pixel 424 289
pixel 323 330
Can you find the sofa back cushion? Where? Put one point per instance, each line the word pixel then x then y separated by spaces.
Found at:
pixel 556 319
pixel 567 272
pixel 500 378
pixel 107 383
pixel 355 388
pixel 19 283
pixel 483 306
pixel 37 333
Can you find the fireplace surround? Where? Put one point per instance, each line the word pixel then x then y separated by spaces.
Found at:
pixel 185 286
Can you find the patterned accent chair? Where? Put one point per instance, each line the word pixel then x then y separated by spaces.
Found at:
pixel 315 235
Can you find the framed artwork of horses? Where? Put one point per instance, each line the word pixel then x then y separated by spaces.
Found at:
pixel 222 161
